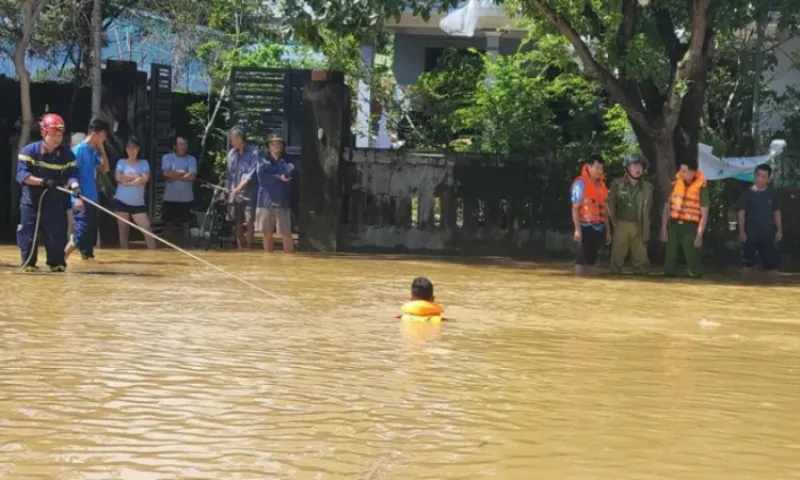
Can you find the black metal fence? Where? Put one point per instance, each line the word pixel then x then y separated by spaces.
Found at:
pixel 268 100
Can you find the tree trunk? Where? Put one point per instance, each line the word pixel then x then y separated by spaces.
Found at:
pixel 96 75
pixel 30 11
pixel 24 96
pixel 664 167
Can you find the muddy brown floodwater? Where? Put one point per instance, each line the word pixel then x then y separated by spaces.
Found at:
pixel 146 365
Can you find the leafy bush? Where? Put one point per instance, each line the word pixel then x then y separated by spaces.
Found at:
pixel 528 104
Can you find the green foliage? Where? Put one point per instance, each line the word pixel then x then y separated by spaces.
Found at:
pixel 789 107
pixel 788 103
pixel 441 96
pixel 639 54
pixel 729 94
pixel 219 165
pixel 520 105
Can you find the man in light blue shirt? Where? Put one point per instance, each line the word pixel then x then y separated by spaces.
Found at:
pixel 89 154
pixel 180 171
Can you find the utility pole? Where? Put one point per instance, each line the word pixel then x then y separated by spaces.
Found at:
pixel 97 47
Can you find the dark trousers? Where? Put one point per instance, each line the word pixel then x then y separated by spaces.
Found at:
pixel 764 250
pixel 592 240
pixel 52 229
pixel 681 237
pixel 84 231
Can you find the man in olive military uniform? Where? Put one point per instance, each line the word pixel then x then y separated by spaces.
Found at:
pixel 630 202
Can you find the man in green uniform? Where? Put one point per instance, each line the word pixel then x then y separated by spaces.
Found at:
pixel 684 219
pixel 630 203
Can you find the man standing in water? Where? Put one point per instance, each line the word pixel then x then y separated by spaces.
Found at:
pixel 273 176
pixel 180 171
pixel 629 205
pixel 90 154
pixel 42 167
pixel 760 226
pixel 589 214
pixel 684 219
pixel 242 161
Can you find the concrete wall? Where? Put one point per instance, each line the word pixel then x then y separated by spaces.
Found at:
pixel 405 200
pixel 409 51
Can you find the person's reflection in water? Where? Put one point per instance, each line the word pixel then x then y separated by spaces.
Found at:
pixel 421 332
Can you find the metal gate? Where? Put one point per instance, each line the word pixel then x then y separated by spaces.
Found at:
pixel 160 138
pixel 268 100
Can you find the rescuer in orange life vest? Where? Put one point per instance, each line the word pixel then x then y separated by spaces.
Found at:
pixel 590 214
pixel 422 308
pixel 684 219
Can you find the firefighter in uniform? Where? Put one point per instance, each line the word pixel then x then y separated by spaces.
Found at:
pixel 42 167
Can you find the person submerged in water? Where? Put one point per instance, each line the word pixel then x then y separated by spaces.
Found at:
pixel 422 306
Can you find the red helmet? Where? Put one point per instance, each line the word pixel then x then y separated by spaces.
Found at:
pixel 52 123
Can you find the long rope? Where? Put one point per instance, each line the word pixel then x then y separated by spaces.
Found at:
pixel 169 244
pixel 35 232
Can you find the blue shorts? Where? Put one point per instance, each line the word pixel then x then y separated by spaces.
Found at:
pixel 84 231
pixel 764 250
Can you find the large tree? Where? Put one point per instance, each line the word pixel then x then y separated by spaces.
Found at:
pixel 29 27
pixel 651 56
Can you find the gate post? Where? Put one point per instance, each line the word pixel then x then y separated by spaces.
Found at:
pixel 160 139
pixel 326 108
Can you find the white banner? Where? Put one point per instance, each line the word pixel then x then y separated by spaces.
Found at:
pixel 715 168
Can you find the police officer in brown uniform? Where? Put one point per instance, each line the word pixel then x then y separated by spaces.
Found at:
pixel 630 202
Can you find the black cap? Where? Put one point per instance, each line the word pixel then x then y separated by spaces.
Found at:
pixel 98 125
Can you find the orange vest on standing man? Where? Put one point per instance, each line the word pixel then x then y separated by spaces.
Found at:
pixel 684 202
pixel 593 207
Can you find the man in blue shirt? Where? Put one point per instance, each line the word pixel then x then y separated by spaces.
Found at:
pixel 180 171
pixel 273 176
pixel 242 160
pixel 42 167
pixel 590 214
pixel 89 155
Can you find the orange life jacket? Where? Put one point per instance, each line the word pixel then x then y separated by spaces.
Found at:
pixel 417 311
pixel 684 202
pixel 593 207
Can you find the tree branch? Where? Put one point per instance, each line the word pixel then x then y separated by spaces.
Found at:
pixel 597 28
pixel 688 67
pixel 627 30
pixel 726 111
pixel 594 69
pixel 674 48
pixel 117 12
pixel 628 27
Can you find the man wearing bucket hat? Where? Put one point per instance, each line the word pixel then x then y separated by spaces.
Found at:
pixel 630 202
pixel 273 176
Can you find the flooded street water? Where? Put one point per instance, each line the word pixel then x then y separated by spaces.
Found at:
pixel 148 365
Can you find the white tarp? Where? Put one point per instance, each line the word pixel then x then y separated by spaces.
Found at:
pixel 715 168
pixel 463 21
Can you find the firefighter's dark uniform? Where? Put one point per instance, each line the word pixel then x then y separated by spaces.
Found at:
pixel 59 166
